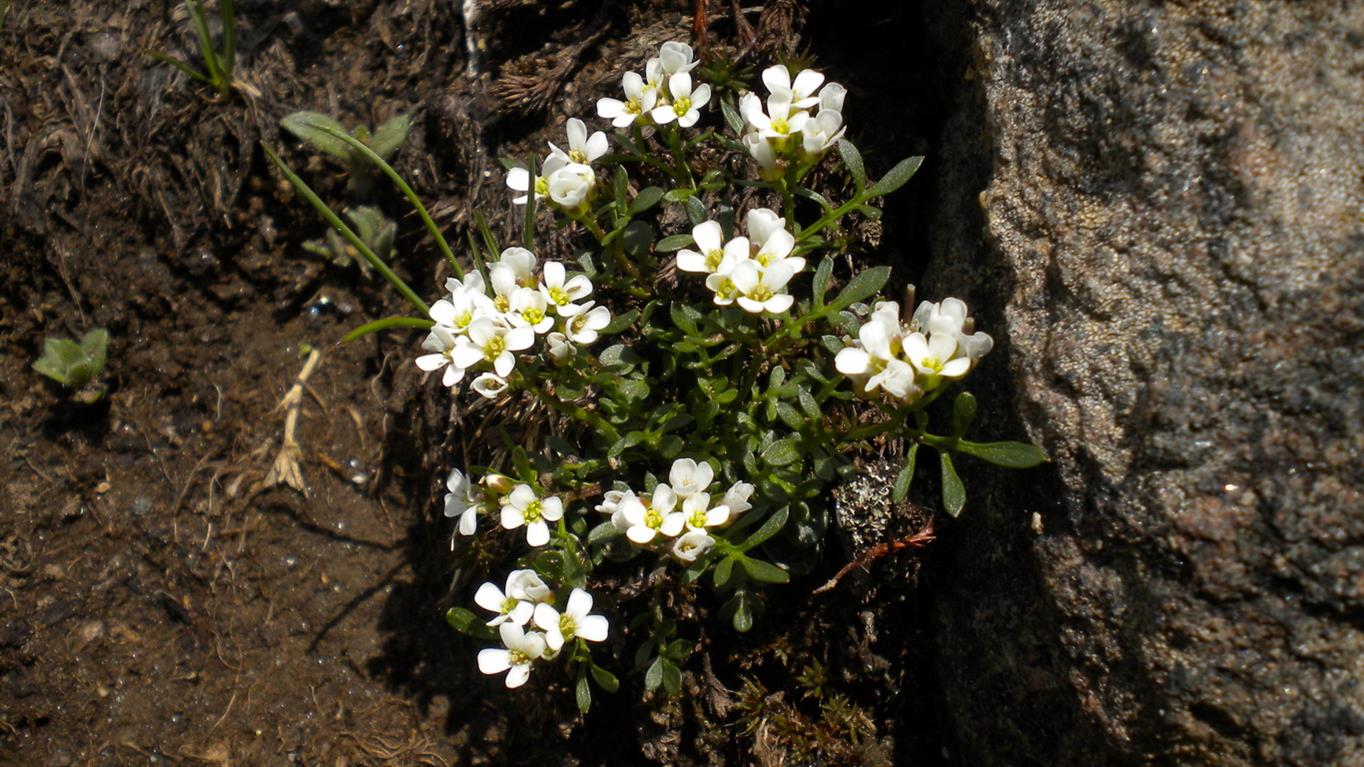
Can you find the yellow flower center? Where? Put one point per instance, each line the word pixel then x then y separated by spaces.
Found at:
pixel 713 259
pixel 698 518
pixel 634 107
pixel 508 605
pixel 502 303
pixel 652 519
pixel 682 105
pixel 463 320
pixel 726 289
pixel 494 348
pixel 932 363
pixel 517 657
pixel 558 296
pixel 760 292
pixel 780 125
pixel 541 186
pixel 566 625
pixel 578 156
pixel 532 512
pixel 533 315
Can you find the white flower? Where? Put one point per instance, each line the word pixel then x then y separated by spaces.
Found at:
pixel 503 605
pixel 559 348
pixel 530 309
pixel 461 308
pixel 582 149
pixel 690 546
pixel 527 585
pixel 586 326
pixel 570 185
pixel 443 345
pixel 760 289
pixel 514 269
pixel 492 343
pixel 831 98
pixel 675 57
pixel 935 355
pixel 776 248
pixel 736 498
pixel 519 179
pixel 699 514
pixel 777 78
pixel 490 385
pixel 573 622
pixel 524 507
pixel 612 503
pixel 946 317
pixel 762 224
pixel 460 502
pixel 723 287
pixel 823 132
pixel 714 252
pixel 639 99
pixel 760 149
pixel 686 102
pixel 874 363
pixel 560 293
pixel 779 121
pixel 648 517
pixel 687 477
pixel 521 648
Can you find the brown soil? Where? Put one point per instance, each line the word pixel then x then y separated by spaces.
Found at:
pixel 161 603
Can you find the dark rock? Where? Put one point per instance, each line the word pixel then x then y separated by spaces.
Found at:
pixel 1174 255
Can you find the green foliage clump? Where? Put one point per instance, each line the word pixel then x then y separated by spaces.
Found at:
pixel 76 364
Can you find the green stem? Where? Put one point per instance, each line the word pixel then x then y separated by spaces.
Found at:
pixel 830 217
pixel 388 323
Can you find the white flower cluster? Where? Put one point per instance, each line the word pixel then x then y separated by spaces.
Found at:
pixel 530 627
pixel 566 178
pixel 664 94
pixel 679 509
pixel 752 271
pixel 785 127
pixel 908 361
pixel 476 327
pixel 517 505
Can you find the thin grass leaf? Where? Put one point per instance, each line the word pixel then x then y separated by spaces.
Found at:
pixel 180 65
pixel 229 18
pixel 387 323
pixel 345 231
pixel 206 51
pixel 382 164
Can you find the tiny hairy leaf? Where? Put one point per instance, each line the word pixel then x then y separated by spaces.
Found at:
pixel 953 492
pixel 1011 455
pixel 895 178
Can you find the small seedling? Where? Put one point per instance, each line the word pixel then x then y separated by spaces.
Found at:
pixel 373 228
pixel 75 365
pixel 319 131
pixel 218 63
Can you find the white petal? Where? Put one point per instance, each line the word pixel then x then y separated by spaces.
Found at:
pixel 673 524
pixel 537 533
pixel 519 339
pixel 779 303
pixel 577 133
pixel 518 179
pixel 777 78
pixel 490 598
pixel 546 616
pixel 708 236
pixel 853 362
pixel 597 145
pixel 640 534
pixel 579 603
pixel 611 108
pixel 521 496
pixel 552 508
pixel 518 675
pixel 663 115
pixel 468 521
pixel 429 362
pixel 593 628
pixel 493 660
pixel 807 82
pixel 687 261
pixel 512 517
pixel 956 368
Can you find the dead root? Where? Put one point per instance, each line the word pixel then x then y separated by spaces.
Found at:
pixel 286 467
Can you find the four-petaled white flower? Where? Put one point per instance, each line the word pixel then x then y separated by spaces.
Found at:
pixel 714 254
pixel 517 602
pixel 523 507
pixel 651 516
pixel 574 622
pixel 520 180
pixel 562 293
pixel 586 325
pixel 760 290
pixel 489 385
pixel 461 502
pixel 443 345
pixel 777 78
pixel 639 101
pixel 736 498
pixel 685 101
pixel 875 362
pixel 698 514
pixel 907 362
pixel 493 343
pixel 530 309
pixel 520 649
pixel 582 149
pixel 691 545
pixel 675 57
pixel 571 185
pixel 688 477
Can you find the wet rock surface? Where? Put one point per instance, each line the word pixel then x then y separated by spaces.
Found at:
pixel 1173 252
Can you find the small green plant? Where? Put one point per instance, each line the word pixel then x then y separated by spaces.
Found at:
pixel 683 470
pixel 320 132
pixel 218 62
pixel 76 365
pixel 374 229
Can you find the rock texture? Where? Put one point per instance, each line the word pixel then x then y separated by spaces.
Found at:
pixel 1173 244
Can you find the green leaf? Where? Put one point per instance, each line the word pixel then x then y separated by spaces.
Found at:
pixel 852 160
pixel 602 533
pixel 1012 455
pixel 963 413
pixel 74 364
pixel 820 285
pixel 808 403
pixel 895 178
pixel 790 416
pixel 816 197
pixel 722 572
pixel 620 322
pixel 685 318
pixel 863 285
pixel 465 622
pixel 672 677
pixel 732 118
pixel 696 211
pixel 764 572
pixel 782 452
pixel 673 243
pixel 742 620
pixel 647 198
pixel 653 678
pixel 605 679
pixel 309 126
pixel 388 323
pixel 906 475
pixel 770 527
pixel 391 135
pixel 953 492
pixel 582 692
pixel 679 194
